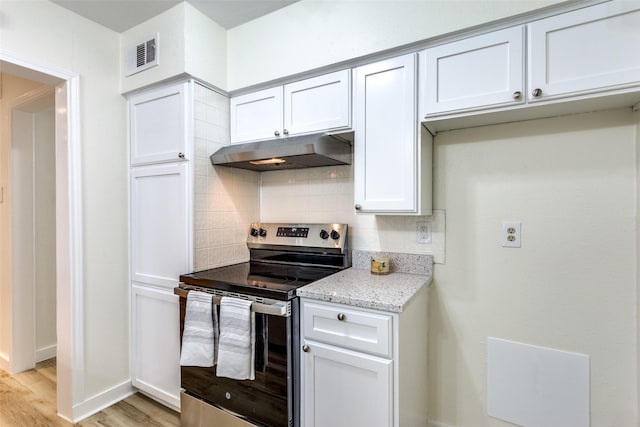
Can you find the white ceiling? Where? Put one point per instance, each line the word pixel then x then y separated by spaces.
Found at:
pixel 120 15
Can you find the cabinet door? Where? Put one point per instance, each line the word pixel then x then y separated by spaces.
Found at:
pixel 256 115
pixel 160 242
pixel 342 388
pixel 158 125
pixel 318 104
pixel 156 344
pixel 386 148
pixel 585 51
pixel 478 72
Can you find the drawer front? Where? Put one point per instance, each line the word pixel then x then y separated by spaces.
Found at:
pixel 348 327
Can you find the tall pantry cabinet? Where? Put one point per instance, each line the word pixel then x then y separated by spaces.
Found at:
pixel 161 212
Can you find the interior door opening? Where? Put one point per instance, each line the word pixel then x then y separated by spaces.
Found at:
pixel 45 221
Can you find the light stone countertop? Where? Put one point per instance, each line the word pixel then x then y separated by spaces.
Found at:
pixel 360 288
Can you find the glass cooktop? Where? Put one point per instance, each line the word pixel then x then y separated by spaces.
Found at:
pixel 276 281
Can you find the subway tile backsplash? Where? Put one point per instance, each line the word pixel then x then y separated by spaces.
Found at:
pixel 226 200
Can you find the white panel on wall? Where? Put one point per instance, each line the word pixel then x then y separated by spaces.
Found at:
pixel 537 386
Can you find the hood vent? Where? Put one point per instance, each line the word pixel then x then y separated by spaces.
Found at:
pixel 305 151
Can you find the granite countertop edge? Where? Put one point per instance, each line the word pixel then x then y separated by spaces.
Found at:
pixel 359 288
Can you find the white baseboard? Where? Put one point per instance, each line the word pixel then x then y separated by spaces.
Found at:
pixel 437 424
pixel 46 353
pixel 157 394
pixel 103 400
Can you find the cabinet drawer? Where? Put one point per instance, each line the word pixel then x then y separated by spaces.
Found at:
pixel 348 327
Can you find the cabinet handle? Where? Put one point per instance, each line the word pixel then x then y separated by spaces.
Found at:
pixel 181 155
pixel 276 133
pixel 305 348
pixel 341 317
pixel 358 207
pixel 536 92
pixel 517 94
pixel 286 132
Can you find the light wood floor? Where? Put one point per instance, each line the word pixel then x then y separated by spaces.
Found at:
pixel 29 399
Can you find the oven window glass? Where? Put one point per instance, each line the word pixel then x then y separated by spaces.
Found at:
pixel 267 400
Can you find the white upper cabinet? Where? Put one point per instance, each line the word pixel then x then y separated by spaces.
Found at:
pixel 158 125
pixel 256 115
pixel 578 61
pixel 317 104
pixel 320 103
pixel 388 154
pixel 585 51
pixel 478 72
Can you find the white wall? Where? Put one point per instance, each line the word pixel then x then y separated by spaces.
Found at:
pixel 315 33
pixel 190 43
pixel 49 34
pixel 572 285
pixel 206 48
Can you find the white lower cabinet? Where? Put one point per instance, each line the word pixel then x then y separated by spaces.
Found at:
pixel 156 343
pixel 362 367
pixel 345 388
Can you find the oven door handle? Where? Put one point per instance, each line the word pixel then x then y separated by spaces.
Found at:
pixel 269 307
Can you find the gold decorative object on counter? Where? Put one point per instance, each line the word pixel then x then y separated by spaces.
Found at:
pixel 380 265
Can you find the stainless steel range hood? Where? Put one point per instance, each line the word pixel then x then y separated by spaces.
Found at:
pixel 305 151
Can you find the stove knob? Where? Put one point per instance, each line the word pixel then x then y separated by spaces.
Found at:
pixel 324 235
pixel 253 232
pixel 335 235
pixel 263 232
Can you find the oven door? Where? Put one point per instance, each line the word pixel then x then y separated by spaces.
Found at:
pixel 272 399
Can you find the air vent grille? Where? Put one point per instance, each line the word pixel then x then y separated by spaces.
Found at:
pixel 142 56
pixel 145 53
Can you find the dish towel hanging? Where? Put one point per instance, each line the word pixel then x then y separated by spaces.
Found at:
pixel 236 350
pixel 200 335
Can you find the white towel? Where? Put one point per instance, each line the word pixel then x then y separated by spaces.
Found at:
pixel 236 350
pixel 200 335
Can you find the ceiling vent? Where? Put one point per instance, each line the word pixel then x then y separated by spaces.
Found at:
pixel 143 55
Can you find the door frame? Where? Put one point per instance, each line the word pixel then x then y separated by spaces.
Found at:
pixel 69 220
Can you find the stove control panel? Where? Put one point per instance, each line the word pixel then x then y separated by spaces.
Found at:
pixel 322 236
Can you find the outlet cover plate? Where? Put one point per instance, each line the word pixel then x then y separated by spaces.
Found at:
pixel 511 237
pixel 423 232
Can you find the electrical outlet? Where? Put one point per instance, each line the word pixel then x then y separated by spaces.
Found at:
pixel 511 235
pixel 423 232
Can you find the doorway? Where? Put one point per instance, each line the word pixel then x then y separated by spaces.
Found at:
pixel 32 195
pixel 67 282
